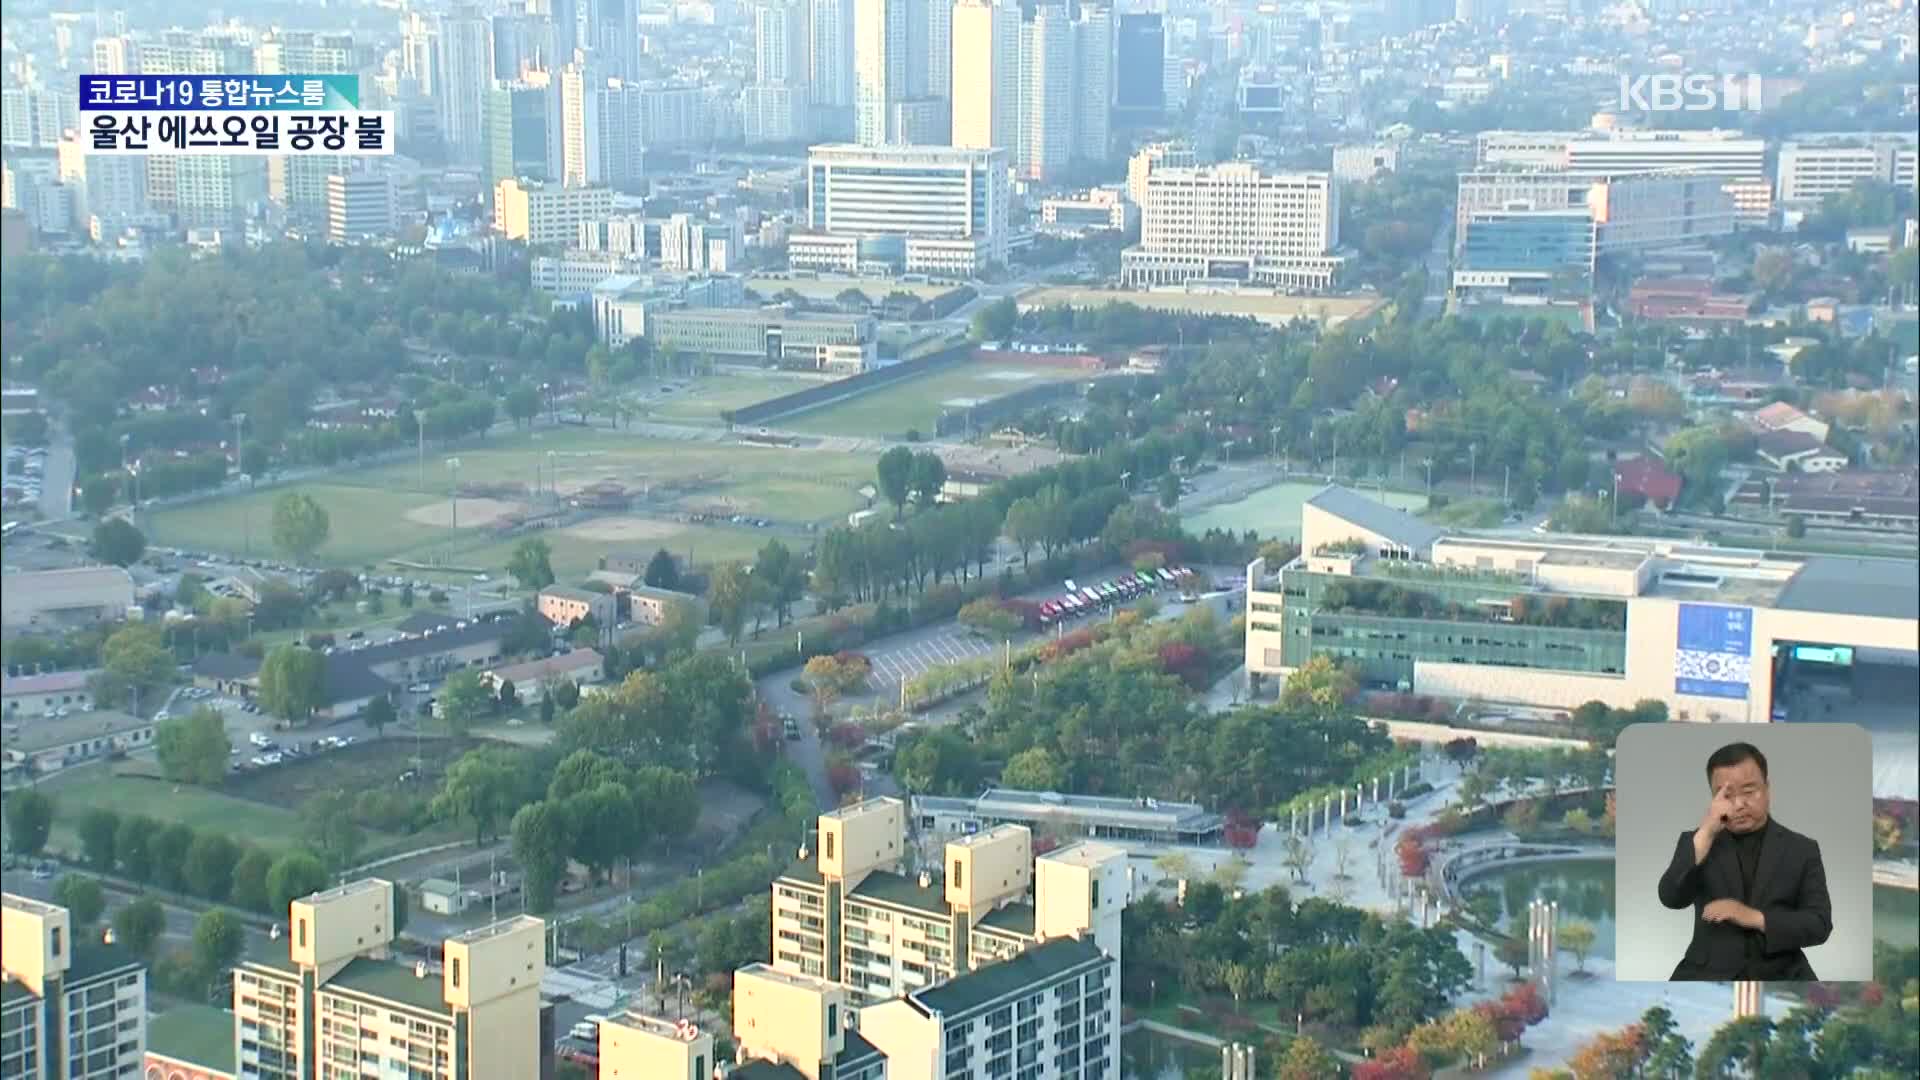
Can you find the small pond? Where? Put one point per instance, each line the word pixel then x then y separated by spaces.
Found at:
pixel 1149 1055
pixel 1583 887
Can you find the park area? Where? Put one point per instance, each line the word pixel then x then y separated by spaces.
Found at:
pixel 1274 512
pixel 384 513
pixel 916 402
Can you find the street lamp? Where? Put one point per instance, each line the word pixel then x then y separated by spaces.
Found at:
pixel 453 466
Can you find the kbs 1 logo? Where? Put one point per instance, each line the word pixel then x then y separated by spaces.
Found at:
pixel 1690 93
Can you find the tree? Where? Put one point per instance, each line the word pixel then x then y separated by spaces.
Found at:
pixel 300 525
pixel 1033 769
pixel 829 677
pixel 780 576
pixel 330 829
pixel 662 571
pixel 1298 856
pixel 1318 686
pixel 523 403
pixel 532 563
pixel 994 321
pixel 1577 938
pixel 1239 979
pixel 1306 1059
pixel 987 616
pixel 210 862
pixel 292 682
pixel 463 701
pixel 1513 953
pixel 29 819
pixel 292 876
pixel 97 831
pixel 729 595
pixel 1169 490
pixel 217 942
pixel 133 661
pixel 138 926
pixel 249 889
pixel 171 843
pixel 379 713
pixel 194 749
pixel 133 847
pixel 894 473
pixel 1797 527
pixel 507 694
pixel 927 477
pixel 483 786
pixel 541 839
pixel 117 542
pixel 81 896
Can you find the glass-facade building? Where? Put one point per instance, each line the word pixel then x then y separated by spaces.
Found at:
pixel 1546 242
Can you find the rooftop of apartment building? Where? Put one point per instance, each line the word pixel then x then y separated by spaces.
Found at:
pixel 90 959
pixel 995 982
pixel 389 981
pixel 199 1035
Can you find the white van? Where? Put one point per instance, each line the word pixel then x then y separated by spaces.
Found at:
pixel 588 1030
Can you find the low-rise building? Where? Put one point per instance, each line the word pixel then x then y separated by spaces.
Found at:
pixel 1796 451
pixel 758 334
pixel 1784 416
pixel 70 1009
pixel 51 600
pixel 1885 499
pixel 1645 477
pixel 564 605
pixel 50 744
pixel 1095 210
pixel 584 668
pixel 44 693
pixel 1098 817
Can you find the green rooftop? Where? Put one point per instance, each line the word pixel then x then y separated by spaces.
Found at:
pixel 1009 919
pixel 390 982
pixel 885 887
pixel 995 982
pixel 197 1035
pixel 767 1070
pixel 96 960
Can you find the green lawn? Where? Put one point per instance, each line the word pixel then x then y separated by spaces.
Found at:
pixel 576 555
pixel 367 524
pixel 917 402
pixel 90 787
pixel 1274 512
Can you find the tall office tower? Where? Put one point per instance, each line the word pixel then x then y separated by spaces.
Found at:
pixel 523 130
pixel 613 33
pixel 1139 77
pixel 563 30
pixel 1092 90
pixel 74 1008
pixel 521 43
pixel 830 66
pixel 774 108
pixel 1045 127
pixel 879 67
pixel 462 72
pixel 986 50
pixel 902 69
pixel 930 50
pixel 299 182
pixel 417 34
pixel 605 129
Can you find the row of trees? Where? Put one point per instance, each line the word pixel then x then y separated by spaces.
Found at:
pixel 215 946
pixel 597 811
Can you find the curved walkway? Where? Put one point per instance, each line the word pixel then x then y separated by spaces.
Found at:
pixel 1455 867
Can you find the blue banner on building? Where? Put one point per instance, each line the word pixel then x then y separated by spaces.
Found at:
pixel 1714 657
pixel 220 93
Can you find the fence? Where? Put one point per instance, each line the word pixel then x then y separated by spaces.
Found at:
pixel 993 410
pixel 852 386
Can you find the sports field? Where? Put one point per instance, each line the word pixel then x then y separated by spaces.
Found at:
pixel 80 790
pixel 702 400
pixel 1274 512
pixel 915 403
pixel 384 513
pixel 1273 310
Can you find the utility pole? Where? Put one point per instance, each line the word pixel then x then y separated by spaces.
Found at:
pixel 1473 469
pixel 420 429
pixel 453 464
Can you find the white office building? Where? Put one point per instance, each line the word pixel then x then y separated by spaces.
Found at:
pixel 462 74
pixel 987 51
pixel 1044 141
pixel 359 206
pixel 1093 82
pixel 922 209
pixel 1169 155
pixel 1812 169
pixel 1741 162
pixel 1234 221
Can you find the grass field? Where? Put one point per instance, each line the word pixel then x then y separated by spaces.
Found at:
pixel 917 402
pixel 1274 512
pixel 1273 310
pixel 382 513
pixel 93 787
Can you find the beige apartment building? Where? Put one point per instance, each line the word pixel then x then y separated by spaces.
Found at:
pixel 862 915
pixel 544 213
pixel 1233 221
pixel 69 1010
pixel 340 1004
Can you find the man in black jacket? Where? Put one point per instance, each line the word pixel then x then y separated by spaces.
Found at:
pixel 1757 888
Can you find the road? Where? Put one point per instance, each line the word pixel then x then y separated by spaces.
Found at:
pixel 179 920
pixel 56 481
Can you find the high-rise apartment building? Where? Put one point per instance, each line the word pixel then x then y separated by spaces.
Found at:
pixel 418 48
pixel 37 115
pixel 547 213
pixel 298 182
pixel 69 1010
pixel 922 209
pixel 340 1000
pixel 1139 83
pixel 1810 169
pixel 602 125
pixel 359 206
pixel 524 130
pixel 613 36
pixel 1093 75
pixel 1233 220
pixel 462 74
pixel 830 78
pixel 201 190
pixel 522 42
pixel 1044 140
pixel 110 187
pixel 775 108
pixel 863 916
pixel 902 71
pixel 986 50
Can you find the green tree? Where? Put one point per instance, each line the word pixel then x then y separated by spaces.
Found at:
pixel 1320 687
pixel 993 322
pixel 1032 769
pixel 600 822
pixel 1306 1059
pixel 1169 490
pixel 484 787
pixel 82 897
pixel 134 661
pixel 894 474
pixel 194 749
pixel 249 889
pixel 507 694
pixel 117 542
pixel 29 819
pixel 927 477
pixel 293 682
pixel 463 701
pixel 989 617
pixel 133 847
pixel 532 563
pixel 217 942
pixel 784 580
pixel 541 840
pixel 300 525
pixel 330 830
pixel 1577 937
pixel 523 403
pixel 210 863
pixel 662 571
pixel 293 875
pixel 378 713
pixel 171 843
pixel 139 925
pixel 97 832
pixel 730 595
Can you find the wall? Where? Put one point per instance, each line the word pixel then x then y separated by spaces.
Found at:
pixel 1005 406
pixel 1416 731
pixel 814 397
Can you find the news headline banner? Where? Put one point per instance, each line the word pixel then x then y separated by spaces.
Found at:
pixel 231 114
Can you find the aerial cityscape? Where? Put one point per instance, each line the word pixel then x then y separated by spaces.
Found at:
pixel 960 539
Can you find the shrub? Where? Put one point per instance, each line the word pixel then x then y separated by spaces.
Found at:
pixel 1396 810
pixel 1353 821
pixel 799 686
pixel 1417 789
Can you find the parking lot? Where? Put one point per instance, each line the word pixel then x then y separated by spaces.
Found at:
pixel 899 663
